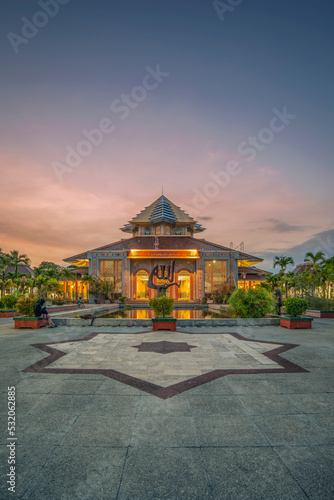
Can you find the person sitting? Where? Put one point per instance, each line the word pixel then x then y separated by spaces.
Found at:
pixel 80 302
pixel 41 312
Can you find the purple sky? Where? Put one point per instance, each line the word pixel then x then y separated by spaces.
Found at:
pixel 232 114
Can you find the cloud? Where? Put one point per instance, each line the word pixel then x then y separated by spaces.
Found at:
pixel 205 218
pixel 319 242
pixel 280 226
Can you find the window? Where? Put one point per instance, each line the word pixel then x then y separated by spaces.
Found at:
pixel 111 270
pixel 158 230
pixel 215 274
pixel 167 230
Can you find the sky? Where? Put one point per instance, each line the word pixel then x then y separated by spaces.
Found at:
pixel 227 105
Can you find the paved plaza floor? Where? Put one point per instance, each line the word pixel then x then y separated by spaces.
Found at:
pixel 203 413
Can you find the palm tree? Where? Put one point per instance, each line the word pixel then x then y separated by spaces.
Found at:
pixel 274 280
pixel 283 262
pixel 67 275
pixel 5 262
pixel 316 260
pixel 17 259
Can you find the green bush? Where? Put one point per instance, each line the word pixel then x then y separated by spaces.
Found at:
pixel 122 299
pixel 2 305
pixel 204 300
pixel 25 305
pixel 222 292
pixel 295 306
pixel 162 306
pixel 253 303
pixel 9 301
pixel 319 303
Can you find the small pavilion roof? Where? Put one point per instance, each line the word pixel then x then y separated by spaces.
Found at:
pixel 162 210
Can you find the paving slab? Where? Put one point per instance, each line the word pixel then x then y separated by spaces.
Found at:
pixel 249 434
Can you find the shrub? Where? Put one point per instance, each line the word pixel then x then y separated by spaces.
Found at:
pixel 222 293
pixel 162 306
pixel 319 303
pixel 253 303
pixel 2 305
pixel 122 299
pixel 9 301
pixel 204 300
pixel 295 306
pixel 25 305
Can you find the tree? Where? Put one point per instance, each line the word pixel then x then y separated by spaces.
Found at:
pixel 315 259
pixel 283 262
pixel 5 262
pixel 16 259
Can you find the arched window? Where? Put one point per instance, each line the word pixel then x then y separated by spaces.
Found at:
pixel 158 230
pixel 167 230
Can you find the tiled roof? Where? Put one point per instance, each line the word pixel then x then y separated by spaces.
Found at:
pixel 22 268
pixel 165 243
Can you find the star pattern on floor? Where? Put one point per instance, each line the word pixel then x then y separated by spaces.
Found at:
pixel 164 347
pixel 119 356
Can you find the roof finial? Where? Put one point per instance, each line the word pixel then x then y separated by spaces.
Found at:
pixel 162 190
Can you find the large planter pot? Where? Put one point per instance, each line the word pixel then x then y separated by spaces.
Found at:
pixel 25 322
pixel 316 313
pixel 295 322
pixel 9 313
pixel 164 324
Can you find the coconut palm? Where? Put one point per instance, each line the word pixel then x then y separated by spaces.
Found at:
pixel 283 262
pixel 5 262
pixel 16 259
pixel 316 260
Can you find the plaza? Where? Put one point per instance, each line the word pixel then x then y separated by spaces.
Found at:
pixel 98 415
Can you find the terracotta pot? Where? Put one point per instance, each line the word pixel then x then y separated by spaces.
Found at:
pixel 9 314
pixel 164 324
pixel 291 322
pixel 32 323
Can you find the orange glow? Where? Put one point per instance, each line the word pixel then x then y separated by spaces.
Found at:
pixel 163 254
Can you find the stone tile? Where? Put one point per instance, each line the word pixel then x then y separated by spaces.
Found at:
pixel 212 405
pixel 164 474
pixel 47 427
pixel 266 404
pixel 312 467
pixel 164 431
pixel 150 406
pixel 249 473
pixel 87 473
pixel 111 404
pixel 100 431
pixel 29 464
pixel 325 421
pixel 77 387
pixel 313 403
pixel 290 429
pixel 39 385
pixel 62 403
pixel 228 430
pixel 249 386
pixel 109 386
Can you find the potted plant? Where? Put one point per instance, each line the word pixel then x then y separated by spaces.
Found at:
pixel 319 307
pixel 163 307
pixel 8 306
pixel 25 306
pixel 295 307
pixel 121 301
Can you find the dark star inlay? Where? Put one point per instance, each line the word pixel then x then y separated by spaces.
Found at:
pixel 164 347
